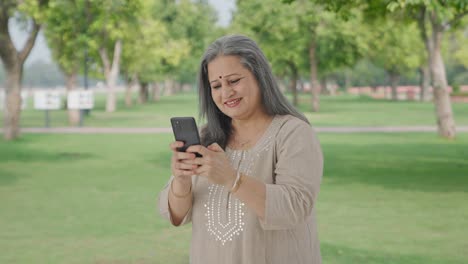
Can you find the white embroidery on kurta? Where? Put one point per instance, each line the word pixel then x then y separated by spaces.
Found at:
pixel 226 224
pixel 221 227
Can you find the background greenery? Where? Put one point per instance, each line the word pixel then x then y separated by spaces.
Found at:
pixel 385 198
pixel 343 110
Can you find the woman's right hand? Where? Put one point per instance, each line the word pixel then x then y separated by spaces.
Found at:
pixel 182 172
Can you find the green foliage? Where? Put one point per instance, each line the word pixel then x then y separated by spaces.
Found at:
pixel 194 24
pixel 66 33
pixel 74 26
pixel 276 29
pixel 149 47
pixel 34 9
pixel 365 73
pixel 285 31
pixel 169 40
pixel 395 46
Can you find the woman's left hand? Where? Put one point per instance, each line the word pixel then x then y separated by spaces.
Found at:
pixel 214 165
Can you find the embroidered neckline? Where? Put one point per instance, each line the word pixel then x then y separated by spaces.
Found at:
pixel 262 139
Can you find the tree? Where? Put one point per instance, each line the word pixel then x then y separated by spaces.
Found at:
pixel 65 31
pixel 13 59
pixel 151 49
pixel 276 29
pixel 395 47
pixel 436 17
pixel 109 24
pixel 302 30
pixel 190 22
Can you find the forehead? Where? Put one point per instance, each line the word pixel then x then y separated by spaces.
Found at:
pixel 225 65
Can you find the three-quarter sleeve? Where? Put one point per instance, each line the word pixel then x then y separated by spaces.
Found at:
pixel 163 204
pixel 296 180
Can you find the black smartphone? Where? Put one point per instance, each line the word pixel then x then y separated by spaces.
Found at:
pixel 185 130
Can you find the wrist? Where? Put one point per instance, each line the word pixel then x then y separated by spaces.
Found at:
pixel 181 187
pixel 232 179
pixel 237 182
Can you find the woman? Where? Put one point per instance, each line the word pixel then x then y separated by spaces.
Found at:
pixel 251 196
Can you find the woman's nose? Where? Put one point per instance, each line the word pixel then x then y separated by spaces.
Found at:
pixel 227 91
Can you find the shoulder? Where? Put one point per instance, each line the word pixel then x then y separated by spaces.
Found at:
pixel 296 135
pixel 293 126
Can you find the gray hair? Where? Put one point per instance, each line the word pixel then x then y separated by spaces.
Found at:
pixel 218 128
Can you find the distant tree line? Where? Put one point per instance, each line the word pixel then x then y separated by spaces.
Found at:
pixel 154 46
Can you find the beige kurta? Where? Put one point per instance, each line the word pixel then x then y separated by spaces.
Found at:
pixel 288 158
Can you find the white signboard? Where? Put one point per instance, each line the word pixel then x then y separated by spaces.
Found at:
pixel 24 100
pixel 80 99
pixel 47 100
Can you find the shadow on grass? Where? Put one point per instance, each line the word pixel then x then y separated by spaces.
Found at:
pixel 338 254
pixel 18 151
pixel 7 177
pixel 408 166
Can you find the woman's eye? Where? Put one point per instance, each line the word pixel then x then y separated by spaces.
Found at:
pixel 235 81
pixel 216 87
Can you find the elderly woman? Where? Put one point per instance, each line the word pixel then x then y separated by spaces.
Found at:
pixel 251 197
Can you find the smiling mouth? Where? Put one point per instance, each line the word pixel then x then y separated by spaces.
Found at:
pixel 233 103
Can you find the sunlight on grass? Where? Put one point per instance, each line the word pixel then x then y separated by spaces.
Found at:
pixel 385 198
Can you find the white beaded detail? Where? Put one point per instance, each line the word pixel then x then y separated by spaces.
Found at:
pixel 224 213
pixel 223 226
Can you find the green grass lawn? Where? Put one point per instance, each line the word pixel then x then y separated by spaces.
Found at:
pixel 344 110
pixel 385 198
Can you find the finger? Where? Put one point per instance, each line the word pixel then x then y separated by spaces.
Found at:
pixel 184 155
pixel 188 172
pixel 198 148
pixel 215 147
pixel 184 166
pixel 176 144
pixel 201 170
pixel 196 161
pixel 182 173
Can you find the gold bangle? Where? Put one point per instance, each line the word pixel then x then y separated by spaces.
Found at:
pixel 237 185
pixel 177 195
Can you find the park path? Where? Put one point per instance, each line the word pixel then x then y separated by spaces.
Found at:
pixel 143 130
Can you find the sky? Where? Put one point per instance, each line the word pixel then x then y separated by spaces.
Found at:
pixel 40 51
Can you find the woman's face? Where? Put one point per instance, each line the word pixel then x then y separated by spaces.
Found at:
pixel 234 88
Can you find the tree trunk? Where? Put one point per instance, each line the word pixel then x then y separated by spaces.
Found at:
pixel 177 87
pixel 128 95
pixel 12 113
pixel 144 93
pixel 315 86
pixel 347 82
pixel 281 84
pixel 443 105
pixel 168 87
pixel 73 114
pixel 424 82
pixel 156 92
pixel 111 72
pixel 422 19
pixel 394 80
pixel 293 83
pixel 323 85
pixel 129 91
pixel 13 61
